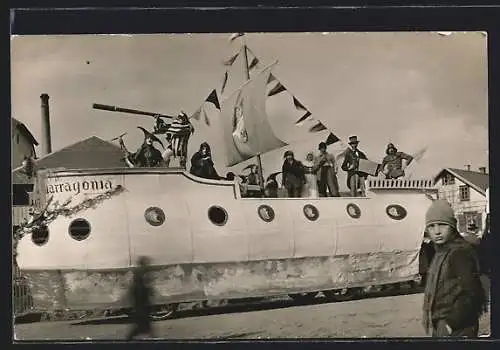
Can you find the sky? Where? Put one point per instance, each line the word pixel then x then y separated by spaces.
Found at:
pixel 412 89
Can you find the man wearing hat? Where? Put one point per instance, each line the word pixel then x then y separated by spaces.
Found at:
pixel 355 178
pixel 180 130
pixel 326 165
pixel 392 164
pixel 147 156
pixel 454 298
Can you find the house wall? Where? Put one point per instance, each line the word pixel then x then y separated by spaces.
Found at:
pixel 476 203
pixel 21 147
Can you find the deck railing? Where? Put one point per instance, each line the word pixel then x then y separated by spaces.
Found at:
pixel 427 184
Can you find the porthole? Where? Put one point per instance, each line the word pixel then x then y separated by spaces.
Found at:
pixel 311 212
pixel 154 216
pixel 353 211
pixel 217 215
pixel 79 229
pixel 266 213
pixel 40 235
pixel 396 212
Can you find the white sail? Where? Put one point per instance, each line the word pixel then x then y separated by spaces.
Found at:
pixel 247 131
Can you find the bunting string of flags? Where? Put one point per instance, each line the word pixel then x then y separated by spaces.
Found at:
pixel 213 99
pixel 278 88
pixel 318 126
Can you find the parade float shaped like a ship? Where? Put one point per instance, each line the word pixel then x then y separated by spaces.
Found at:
pixel 206 240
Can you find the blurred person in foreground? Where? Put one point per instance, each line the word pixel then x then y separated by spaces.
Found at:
pixel 141 293
pixel 454 298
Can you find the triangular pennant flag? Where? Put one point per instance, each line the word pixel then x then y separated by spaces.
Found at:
pixel 205 116
pixel 235 35
pixel 224 82
pixel 231 60
pixel 317 127
pixel 331 139
pixel 254 63
pixel 298 105
pixel 196 115
pixel 277 89
pixel 212 98
pixel 303 118
pixel 271 78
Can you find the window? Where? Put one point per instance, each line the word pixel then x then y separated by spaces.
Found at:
pixel 40 235
pixel 448 179
pixel 154 216
pixel 217 215
pixel 79 229
pixel 464 193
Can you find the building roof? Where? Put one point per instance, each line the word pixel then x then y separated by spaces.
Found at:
pixel 89 153
pixel 16 124
pixel 475 179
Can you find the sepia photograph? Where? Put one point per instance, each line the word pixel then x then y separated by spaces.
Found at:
pixel 253 186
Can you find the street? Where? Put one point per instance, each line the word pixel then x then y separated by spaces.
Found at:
pixel 386 316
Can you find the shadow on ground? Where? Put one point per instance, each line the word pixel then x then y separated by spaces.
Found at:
pixel 252 306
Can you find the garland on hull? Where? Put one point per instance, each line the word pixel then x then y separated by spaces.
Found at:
pixel 40 218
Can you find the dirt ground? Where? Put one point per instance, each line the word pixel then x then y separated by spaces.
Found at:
pixel 390 316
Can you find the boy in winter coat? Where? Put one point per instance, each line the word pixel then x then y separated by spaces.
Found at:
pixel 454 298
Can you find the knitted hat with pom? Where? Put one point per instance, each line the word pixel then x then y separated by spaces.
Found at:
pixel 440 212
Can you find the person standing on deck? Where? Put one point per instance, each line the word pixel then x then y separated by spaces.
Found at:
pixel 293 178
pixel 180 131
pixel 392 164
pixel 311 188
pixel 355 178
pixel 327 166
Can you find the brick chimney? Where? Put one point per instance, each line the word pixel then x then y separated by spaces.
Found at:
pixel 467 167
pixel 46 138
pixel 482 169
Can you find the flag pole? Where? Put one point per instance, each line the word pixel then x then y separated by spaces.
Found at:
pixel 247 76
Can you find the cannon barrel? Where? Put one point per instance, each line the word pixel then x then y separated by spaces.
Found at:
pixel 128 110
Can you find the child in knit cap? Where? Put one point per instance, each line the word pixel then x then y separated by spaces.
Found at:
pixel 454 298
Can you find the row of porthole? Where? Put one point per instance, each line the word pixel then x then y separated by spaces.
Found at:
pixel 79 229
pixel 219 216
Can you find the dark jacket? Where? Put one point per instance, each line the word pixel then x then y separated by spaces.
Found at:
pixel 293 175
pixel 147 156
pixel 453 291
pixel 394 164
pixel 350 160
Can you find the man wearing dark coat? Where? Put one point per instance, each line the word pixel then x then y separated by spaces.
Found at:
pixel 355 178
pixel 293 175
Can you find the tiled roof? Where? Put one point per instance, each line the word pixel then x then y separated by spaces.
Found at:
pixel 24 130
pixel 475 179
pixel 89 153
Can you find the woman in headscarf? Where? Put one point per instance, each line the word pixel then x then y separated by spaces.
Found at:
pixel 202 164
